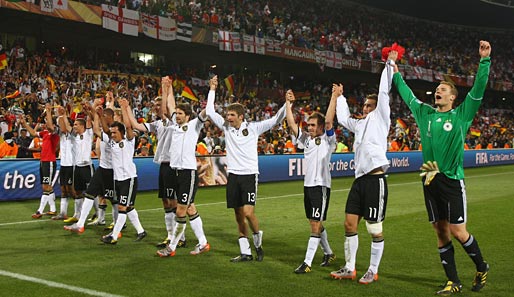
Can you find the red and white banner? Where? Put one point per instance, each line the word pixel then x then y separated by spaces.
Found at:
pixel 60 4
pixel 229 41
pixel 253 44
pixel 159 27
pixel 120 20
pixel 334 60
pixel 273 46
pixel 438 75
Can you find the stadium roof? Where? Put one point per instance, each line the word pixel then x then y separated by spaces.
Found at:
pixel 479 13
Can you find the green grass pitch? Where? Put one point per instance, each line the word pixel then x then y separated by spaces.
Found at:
pixel 39 258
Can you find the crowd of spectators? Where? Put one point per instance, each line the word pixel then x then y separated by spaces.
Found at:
pixel 354 30
pixel 55 75
pixel 35 79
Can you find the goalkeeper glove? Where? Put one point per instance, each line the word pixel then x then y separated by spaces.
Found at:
pixel 429 171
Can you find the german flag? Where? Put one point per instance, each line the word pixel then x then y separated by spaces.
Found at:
pixel 3 58
pixel 13 95
pixel 475 132
pixel 188 93
pixel 229 82
pixel 400 123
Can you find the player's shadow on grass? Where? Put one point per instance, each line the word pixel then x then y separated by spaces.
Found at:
pixel 409 278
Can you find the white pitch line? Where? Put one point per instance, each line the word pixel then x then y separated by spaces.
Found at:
pixel 261 198
pixel 56 285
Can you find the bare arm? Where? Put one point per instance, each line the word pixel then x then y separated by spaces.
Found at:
pixel 96 122
pixel 331 111
pixel 168 103
pixel 89 115
pixel 48 118
pixel 25 125
pixel 125 110
pixel 62 120
pixel 293 127
pixel 133 122
pixel 109 100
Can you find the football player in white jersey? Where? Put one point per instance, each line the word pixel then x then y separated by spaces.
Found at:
pixel 319 142
pixel 83 169
pixel 66 165
pixel 125 176
pixel 162 157
pixel 368 196
pixel 242 165
pixel 102 182
pixel 184 178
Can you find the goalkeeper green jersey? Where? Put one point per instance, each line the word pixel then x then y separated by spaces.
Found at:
pixel 443 133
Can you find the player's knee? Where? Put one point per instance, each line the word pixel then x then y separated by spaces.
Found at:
pixel 350 226
pixel 374 229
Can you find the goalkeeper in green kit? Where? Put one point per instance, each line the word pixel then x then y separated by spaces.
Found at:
pixel 443 130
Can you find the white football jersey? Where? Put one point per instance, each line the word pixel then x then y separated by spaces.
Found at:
pixel 163 136
pixel 66 151
pixel 370 145
pixel 317 153
pixel 183 144
pixel 241 144
pixel 122 158
pixel 82 146
pixel 105 153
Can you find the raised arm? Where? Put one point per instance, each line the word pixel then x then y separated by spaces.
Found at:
pixel 62 120
pixel 331 111
pixel 168 98
pixel 342 109
pixel 216 118
pixel 279 117
pixel 88 110
pixel 478 89
pixel 126 111
pixel 25 125
pixel 109 100
pixel 133 122
pixel 386 79
pixel 293 127
pixel 48 118
pixel 98 115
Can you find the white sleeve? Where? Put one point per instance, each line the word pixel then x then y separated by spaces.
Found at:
pixel 263 126
pixel 386 79
pixel 105 137
pixel 343 114
pixel 216 118
pixel 302 137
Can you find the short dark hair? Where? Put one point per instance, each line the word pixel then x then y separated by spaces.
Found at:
pixel 320 119
pixel 453 89
pixel 372 97
pixel 120 127
pixel 81 121
pixel 237 107
pixel 109 112
pixel 186 108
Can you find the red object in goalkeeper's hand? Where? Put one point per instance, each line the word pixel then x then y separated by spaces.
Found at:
pixel 395 47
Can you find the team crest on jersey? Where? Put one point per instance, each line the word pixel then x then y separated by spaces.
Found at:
pixel 245 132
pixel 447 126
pixel 164 123
pixel 184 128
pixel 81 137
pixel 121 144
pixel 317 141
